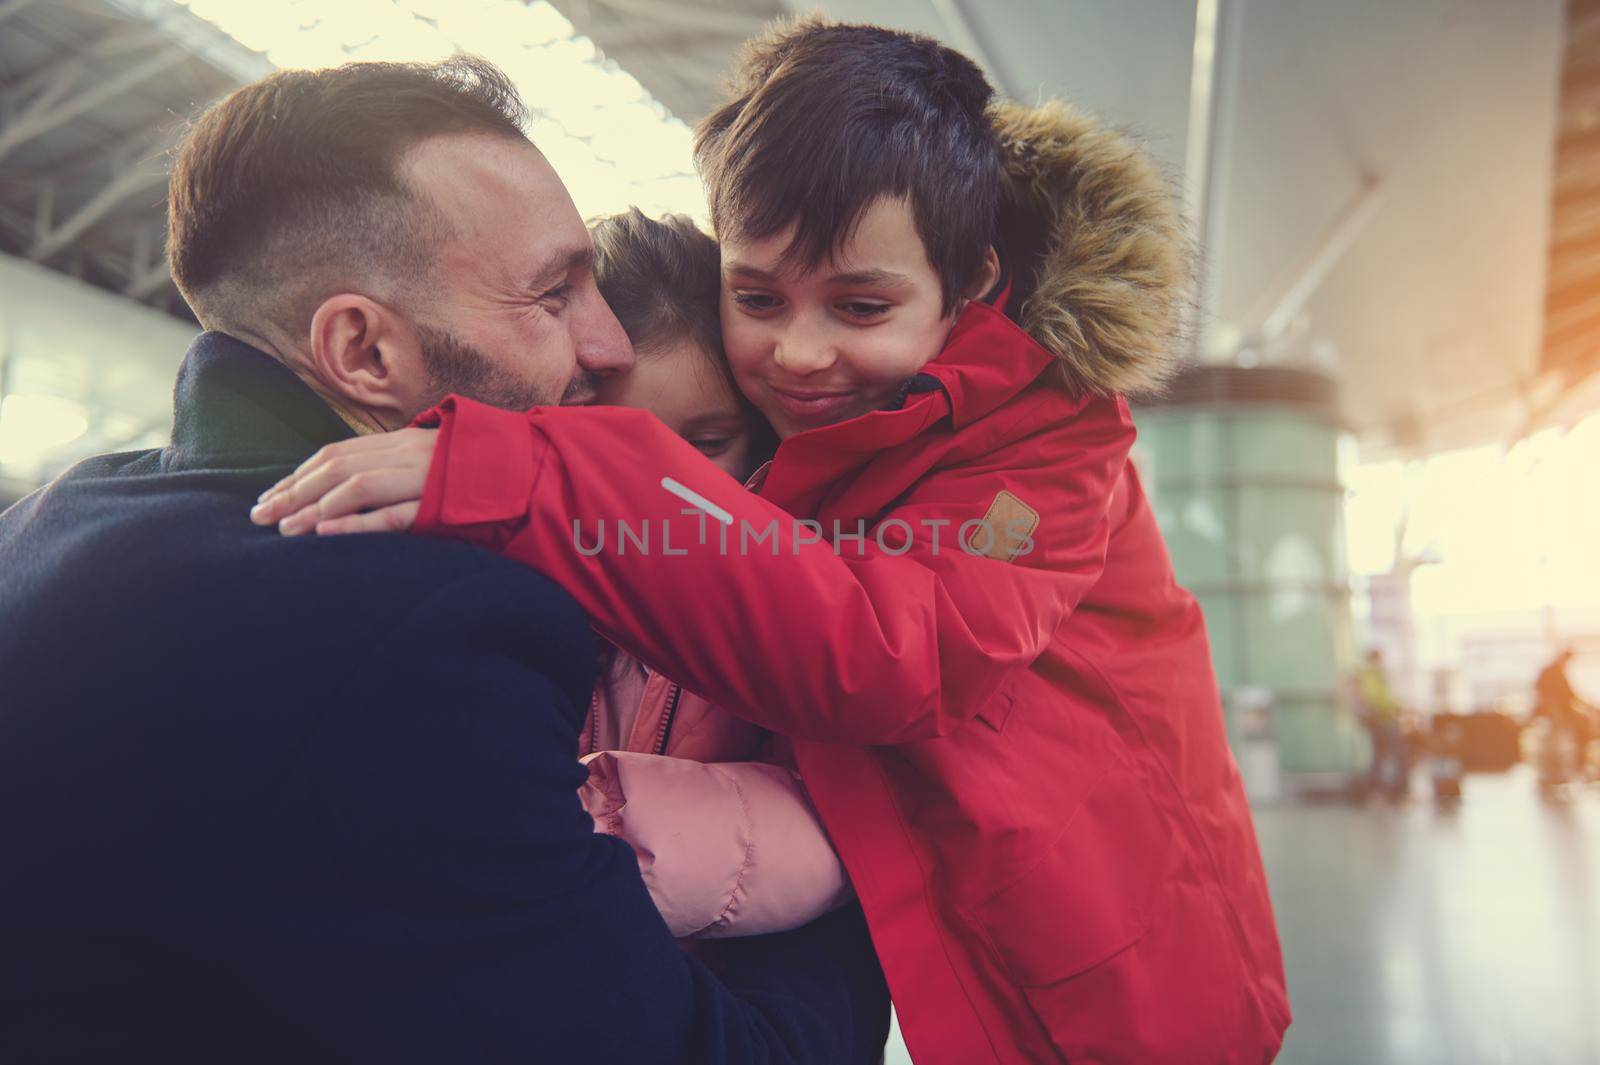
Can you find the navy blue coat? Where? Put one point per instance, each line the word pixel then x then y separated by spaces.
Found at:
pixel 268 799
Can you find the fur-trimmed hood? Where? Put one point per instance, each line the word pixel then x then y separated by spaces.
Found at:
pixel 1095 243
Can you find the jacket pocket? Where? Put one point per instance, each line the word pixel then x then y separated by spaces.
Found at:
pixel 1090 895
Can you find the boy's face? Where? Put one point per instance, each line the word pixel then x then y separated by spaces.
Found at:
pixel 680 386
pixel 814 348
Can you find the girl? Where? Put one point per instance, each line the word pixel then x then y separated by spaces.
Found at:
pixel 727 845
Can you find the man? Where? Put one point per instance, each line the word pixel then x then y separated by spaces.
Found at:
pixel 305 800
pixel 1570 727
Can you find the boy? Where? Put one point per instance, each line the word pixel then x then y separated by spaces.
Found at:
pixel 999 699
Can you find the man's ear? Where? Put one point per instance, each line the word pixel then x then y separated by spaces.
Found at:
pixel 369 358
pixel 987 276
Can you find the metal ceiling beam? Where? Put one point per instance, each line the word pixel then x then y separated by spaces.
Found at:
pixel 40 91
pixel 668 38
pixel 13 7
pixel 44 209
pixel 129 39
pixel 110 263
pixel 1208 157
pixel 118 40
pixel 147 284
pixel 671 15
pixel 108 153
pixel 1281 305
pixel 53 108
pixel 147 270
pixel 98 206
pixel 199 38
pixel 146 247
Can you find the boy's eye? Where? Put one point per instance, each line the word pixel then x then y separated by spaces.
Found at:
pixel 712 446
pixel 755 301
pixel 858 309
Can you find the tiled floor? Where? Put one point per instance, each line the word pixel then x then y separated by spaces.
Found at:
pixel 1427 936
pixel 1418 935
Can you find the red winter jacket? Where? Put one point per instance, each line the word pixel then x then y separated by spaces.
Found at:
pixel 1011 731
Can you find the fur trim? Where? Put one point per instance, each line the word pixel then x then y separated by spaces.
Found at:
pixel 1105 267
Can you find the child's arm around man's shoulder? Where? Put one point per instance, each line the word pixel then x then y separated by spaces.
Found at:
pixel 897 635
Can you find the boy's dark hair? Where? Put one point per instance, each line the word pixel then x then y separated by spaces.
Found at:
pixel 296 177
pixel 825 119
pixel 661 279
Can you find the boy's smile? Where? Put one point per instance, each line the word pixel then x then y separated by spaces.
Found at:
pixel 814 346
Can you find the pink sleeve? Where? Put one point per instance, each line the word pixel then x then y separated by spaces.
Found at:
pixel 726 848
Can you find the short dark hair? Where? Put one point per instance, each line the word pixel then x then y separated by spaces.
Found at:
pixel 299 172
pixel 661 278
pixel 826 118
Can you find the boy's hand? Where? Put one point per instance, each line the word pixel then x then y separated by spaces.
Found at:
pixel 369 484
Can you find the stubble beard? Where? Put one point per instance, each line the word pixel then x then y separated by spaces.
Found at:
pixel 456 367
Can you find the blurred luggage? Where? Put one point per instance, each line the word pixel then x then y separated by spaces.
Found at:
pixel 1490 742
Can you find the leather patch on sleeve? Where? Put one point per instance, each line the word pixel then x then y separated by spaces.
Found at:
pixel 1006 531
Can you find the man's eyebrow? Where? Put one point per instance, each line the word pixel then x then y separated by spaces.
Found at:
pixel 563 263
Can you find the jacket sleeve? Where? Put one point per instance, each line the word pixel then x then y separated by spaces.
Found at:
pixel 895 637
pixel 726 848
pixel 454 901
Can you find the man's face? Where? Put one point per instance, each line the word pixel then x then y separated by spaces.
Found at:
pixel 514 318
pixel 815 347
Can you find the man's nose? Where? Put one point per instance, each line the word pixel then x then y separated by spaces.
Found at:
pixel 602 346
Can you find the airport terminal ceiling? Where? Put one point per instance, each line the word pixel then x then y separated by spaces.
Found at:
pixel 1381 175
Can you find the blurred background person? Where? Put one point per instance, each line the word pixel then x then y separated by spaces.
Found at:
pixel 1383 716
pixel 1564 748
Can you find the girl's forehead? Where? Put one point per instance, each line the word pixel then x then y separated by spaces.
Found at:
pixel 690 373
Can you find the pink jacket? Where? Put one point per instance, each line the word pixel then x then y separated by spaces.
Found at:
pixel 729 845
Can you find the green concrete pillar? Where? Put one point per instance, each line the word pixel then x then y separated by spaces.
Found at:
pixel 1242 469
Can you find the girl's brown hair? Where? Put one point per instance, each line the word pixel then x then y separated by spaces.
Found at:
pixel 661 278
